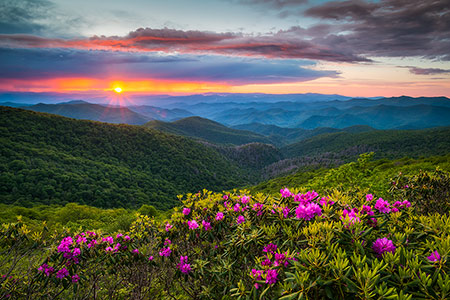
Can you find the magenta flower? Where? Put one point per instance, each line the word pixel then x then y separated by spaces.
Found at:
pixel 245 199
pixel 369 197
pixel 305 198
pixel 266 262
pixel 285 193
pixel 270 248
pixel 168 226
pixel 62 273
pixel 326 201
pixel 165 252
pixel 186 211
pixel 108 239
pixel 46 269
pixel 81 239
pixel 206 225
pixel 219 216
pixel 65 243
pixel 367 210
pixel 167 242
pixel 126 238
pixel 183 265
pixel 75 278
pixel 225 197
pixel 240 219
pixel 271 277
pixel 150 258
pixel 351 217
pixel 193 224
pixel 237 207
pixel 256 274
pixel 119 235
pixel 136 251
pixel 434 256
pixel 383 206
pixel 383 245
pixel 76 251
pixel 308 211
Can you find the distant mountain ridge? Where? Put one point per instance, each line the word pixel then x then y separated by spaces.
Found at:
pixel 79 109
pixel 208 130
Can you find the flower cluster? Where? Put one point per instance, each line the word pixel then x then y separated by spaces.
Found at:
pixel 184 266
pixel 380 246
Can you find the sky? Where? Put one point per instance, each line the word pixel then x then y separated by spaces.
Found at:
pixel 364 48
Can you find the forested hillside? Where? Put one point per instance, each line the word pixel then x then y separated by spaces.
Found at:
pixel 50 159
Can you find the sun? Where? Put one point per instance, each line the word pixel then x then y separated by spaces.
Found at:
pixel 118 90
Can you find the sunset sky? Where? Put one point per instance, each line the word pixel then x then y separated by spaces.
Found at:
pixel 352 48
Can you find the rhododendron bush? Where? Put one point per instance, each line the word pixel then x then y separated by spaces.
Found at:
pixel 293 245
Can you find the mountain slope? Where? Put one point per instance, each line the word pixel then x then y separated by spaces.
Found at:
pixel 157 113
pixel 90 111
pixel 385 143
pixel 51 159
pixel 208 130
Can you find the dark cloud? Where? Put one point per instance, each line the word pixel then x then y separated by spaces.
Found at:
pixel 395 28
pixel 57 63
pixel 427 71
pixel 23 16
pixel 288 44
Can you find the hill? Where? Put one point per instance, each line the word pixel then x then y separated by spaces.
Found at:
pixel 208 130
pixel 89 111
pixel 384 117
pixel 283 136
pixel 50 159
pixel 385 143
pixel 157 113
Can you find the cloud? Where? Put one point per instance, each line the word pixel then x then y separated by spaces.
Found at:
pixel 280 45
pixel 56 63
pixel 427 71
pixel 388 27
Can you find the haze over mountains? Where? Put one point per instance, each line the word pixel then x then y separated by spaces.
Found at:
pixel 306 111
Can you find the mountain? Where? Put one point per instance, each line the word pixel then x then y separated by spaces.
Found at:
pixel 208 130
pixel 89 111
pixel 284 136
pixel 385 117
pixel 50 159
pixel 385 143
pixel 157 113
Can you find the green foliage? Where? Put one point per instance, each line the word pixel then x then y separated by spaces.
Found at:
pixel 385 143
pixel 208 130
pixel 363 174
pixel 47 159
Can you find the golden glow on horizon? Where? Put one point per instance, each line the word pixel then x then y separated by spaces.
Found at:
pixel 118 90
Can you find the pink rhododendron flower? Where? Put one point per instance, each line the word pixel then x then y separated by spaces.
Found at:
pixel 256 274
pixel 151 258
pixel 237 207
pixel 167 242
pixel 225 197
pixel 108 239
pixel 240 219
pixel 206 225
pixel 271 277
pixel 62 273
pixel 219 216
pixel 165 252
pixel 434 256
pixel 369 197
pixel 186 211
pixel 285 193
pixel 266 262
pixel 193 224
pixel 308 211
pixel 126 238
pixel 324 201
pixel 270 248
pixel 168 226
pixel 351 217
pixel 46 269
pixel 75 278
pixel 81 239
pixel 305 198
pixel 136 251
pixel 119 235
pixel 382 206
pixel 245 199
pixel 367 210
pixel 183 265
pixel 383 245
pixel 286 212
pixel 76 252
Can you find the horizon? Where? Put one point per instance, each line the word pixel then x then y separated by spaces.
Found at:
pixel 353 48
